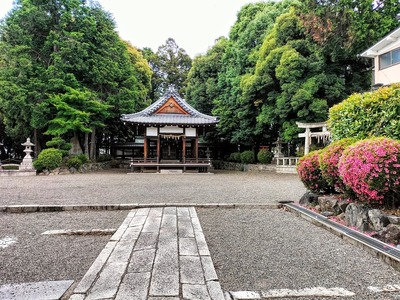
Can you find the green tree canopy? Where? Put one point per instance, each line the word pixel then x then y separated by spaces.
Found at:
pixel 202 83
pixel 238 114
pixel 55 51
pixel 170 66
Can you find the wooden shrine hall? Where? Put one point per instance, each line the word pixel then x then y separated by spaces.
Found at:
pixel 167 136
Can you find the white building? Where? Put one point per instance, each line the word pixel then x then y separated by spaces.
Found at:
pixel 386 55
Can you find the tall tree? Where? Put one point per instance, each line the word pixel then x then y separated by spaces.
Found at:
pixel 202 83
pixel 238 114
pixel 345 28
pixel 290 81
pixel 170 66
pixel 53 50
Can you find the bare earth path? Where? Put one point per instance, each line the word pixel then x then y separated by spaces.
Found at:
pixel 252 249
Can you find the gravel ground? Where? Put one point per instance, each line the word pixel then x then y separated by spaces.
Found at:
pixel 36 257
pixel 255 249
pixel 118 187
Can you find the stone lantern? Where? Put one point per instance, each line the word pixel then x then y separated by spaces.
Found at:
pixel 26 164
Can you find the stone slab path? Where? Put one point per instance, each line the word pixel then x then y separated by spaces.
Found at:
pixel 156 253
pixel 45 290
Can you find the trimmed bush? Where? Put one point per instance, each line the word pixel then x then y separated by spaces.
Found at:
pixel 104 157
pixel 235 157
pixel 369 114
pixel 74 162
pixel 371 168
pixel 264 156
pixel 329 162
pixel 49 159
pixel 83 158
pixel 310 174
pixel 247 157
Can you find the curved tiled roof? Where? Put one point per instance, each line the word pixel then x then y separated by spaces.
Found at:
pixel 149 115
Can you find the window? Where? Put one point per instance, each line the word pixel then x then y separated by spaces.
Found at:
pixel 396 56
pixel 389 59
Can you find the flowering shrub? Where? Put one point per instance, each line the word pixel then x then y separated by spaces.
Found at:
pixel 310 173
pixel 329 161
pixel 371 168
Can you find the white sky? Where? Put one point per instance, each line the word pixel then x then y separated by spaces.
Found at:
pixel 193 24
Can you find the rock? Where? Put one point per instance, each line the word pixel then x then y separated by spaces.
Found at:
pixel 308 198
pixel 394 219
pixel 340 207
pixel 327 213
pixel 341 216
pixel 377 219
pixel 389 235
pixel 357 216
pixel 327 203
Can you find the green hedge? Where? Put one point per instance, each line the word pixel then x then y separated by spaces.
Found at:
pixel 234 157
pixel 247 157
pixel 366 115
pixel 264 156
pixel 49 159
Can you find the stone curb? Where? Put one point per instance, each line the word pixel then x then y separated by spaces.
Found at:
pixel 388 254
pixel 98 207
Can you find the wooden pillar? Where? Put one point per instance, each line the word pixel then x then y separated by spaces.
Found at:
pixel 196 149
pixel 145 149
pixel 158 148
pixel 184 149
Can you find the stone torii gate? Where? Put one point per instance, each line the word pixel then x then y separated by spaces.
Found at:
pixel 324 135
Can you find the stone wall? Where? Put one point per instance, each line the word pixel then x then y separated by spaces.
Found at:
pixel 224 165
pixel 86 168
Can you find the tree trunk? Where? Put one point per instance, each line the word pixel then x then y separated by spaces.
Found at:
pixel 93 145
pixel 86 143
pixel 37 147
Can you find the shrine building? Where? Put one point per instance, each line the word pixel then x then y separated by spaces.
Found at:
pixel 167 136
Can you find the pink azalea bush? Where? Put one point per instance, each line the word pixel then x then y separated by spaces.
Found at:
pixel 309 172
pixel 329 161
pixel 371 168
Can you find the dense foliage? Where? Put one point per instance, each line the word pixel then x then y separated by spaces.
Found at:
pixel 65 72
pixel 366 171
pixel 234 157
pixel 369 114
pixel 329 163
pixel 202 83
pixel 247 157
pixel 288 61
pixel 48 159
pixel 265 156
pixel 310 173
pixel 170 66
pixel 371 169
pixel 74 162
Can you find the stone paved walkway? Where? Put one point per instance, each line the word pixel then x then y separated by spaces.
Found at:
pixel 155 253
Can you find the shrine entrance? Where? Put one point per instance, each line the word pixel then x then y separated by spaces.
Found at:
pixel 167 135
pixel 171 149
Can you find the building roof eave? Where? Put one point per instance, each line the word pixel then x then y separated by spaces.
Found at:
pixel 376 49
